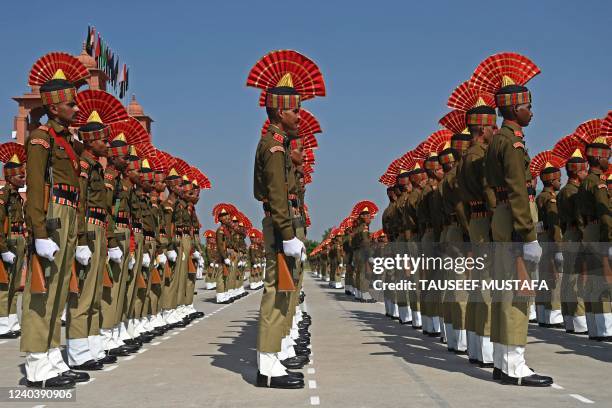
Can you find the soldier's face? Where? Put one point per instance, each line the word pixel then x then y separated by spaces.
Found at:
pixel 119 162
pixel 523 114
pixel 488 132
pixel 160 186
pixel 439 173
pixel 556 183
pixel 290 119
pixel 604 162
pixel 99 147
pixel 146 185
pixel 582 174
pixel 18 180
pixel 64 112
pixel 134 176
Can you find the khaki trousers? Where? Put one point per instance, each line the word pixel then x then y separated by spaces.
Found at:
pixel 41 313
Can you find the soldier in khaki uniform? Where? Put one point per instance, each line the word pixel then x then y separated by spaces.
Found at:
pixel 480 119
pixel 112 328
pixel 507 172
pixel 363 211
pixel 84 345
pixel 572 305
pixel 222 214
pixel 51 215
pixel 547 166
pixel 387 220
pixel 404 188
pixel 594 209
pixel 212 269
pixel 12 236
pixel 274 181
pixel 170 311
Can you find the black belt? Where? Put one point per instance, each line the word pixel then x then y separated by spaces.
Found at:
pixel 98 215
pixel 65 194
pixel 149 234
pixel 121 220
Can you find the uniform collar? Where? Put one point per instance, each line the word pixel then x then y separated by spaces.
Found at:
pixel 596 171
pixel 516 128
pixel 56 126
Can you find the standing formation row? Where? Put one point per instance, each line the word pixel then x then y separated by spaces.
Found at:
pixel 105 224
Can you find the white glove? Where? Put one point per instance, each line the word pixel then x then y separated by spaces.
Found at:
pixel 172 255
pixel 146 260
pixel 304 257
pixel 201 263
pixel 341 265
pixel 9 257
pixel 532 251
pixel 559 259
pixel 212 264
pixel 131 262
pixel 46 248
pixel 227 261
pixel 115 254
pixel 216 265
pixel 83 254
pixel 294 247
pixel 196 255
pixel 161 259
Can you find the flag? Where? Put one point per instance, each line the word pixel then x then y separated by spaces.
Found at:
pixel 92 42
pixel 87 48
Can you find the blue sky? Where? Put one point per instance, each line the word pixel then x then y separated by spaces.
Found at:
pixel 389 68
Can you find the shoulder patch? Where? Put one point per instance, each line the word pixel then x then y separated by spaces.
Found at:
pixel 602 186
pixel 109 176
pixel 84 164
pixel 518 145
pixel 518 133
pixel 84 174
pixel 1 201
pixel 40 142
pixel 109 186
pixel 275 149
pixel 43 128
pixel 278 138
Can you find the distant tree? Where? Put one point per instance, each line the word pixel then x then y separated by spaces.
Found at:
pixel 326 233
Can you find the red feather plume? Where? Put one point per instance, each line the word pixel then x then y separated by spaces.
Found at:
pixel 144 150
pixel 436 141
pixel 209 233
pixel 465 98
pixel 488 75
pixel 108 107
pixel 567 145
pixel 606 127
pixel 158 162
pixel 134 132
pixel 168 158
pixel 268 71
pixel 46 66
pixel 202 180
pixel 589 130
pixel 310 142
pixel 361 205
pixel 230 209
pixel 308 156
pixel 454 121
pixel 182 167
pixel 7 150
pixel 538 162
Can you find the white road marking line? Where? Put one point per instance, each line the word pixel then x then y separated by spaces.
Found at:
pixel 312 384
pixel 437 358
pixel 142 351
pixel 311 371
pixel 157 343
pixel 315 400
pixel 39 406
pixel 165 338
pixel 128 358
pixel 111 368
pixel 581 398
pixel 556 386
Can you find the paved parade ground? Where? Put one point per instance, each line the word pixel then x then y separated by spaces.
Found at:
pixel 359 358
